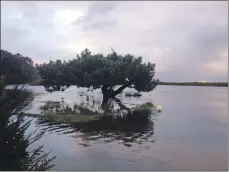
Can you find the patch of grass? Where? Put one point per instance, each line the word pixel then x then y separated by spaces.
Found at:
pixel 64 118
pixel 142 111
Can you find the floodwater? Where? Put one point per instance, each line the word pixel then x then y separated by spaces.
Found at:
pixel 189 134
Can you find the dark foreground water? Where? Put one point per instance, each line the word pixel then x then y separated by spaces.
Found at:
pixel 189 134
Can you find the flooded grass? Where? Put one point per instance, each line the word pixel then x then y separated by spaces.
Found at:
pixel 63 118
pixel 87 115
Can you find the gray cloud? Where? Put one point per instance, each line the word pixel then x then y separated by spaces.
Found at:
pixel 96 16
pixel 187 40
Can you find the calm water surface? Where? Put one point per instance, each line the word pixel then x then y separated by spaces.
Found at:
pixel 189 134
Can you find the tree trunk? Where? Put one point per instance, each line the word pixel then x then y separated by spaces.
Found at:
pixel 108 91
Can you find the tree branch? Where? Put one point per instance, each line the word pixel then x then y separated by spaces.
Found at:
pixel 120 89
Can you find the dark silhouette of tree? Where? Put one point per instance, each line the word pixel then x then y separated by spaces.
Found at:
pixel 17 69
pixel 99 71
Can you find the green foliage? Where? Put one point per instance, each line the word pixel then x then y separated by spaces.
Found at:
pixel 96 70
pixel 17 69
pixel 14 143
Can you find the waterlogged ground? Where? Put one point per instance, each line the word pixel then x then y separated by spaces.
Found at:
pixel 189 134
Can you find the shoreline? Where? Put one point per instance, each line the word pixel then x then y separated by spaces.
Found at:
pixel 209 84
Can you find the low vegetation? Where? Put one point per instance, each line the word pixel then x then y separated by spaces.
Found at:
pixel 63 118
pixel 74 118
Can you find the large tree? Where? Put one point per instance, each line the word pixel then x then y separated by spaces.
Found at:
pixel 99 71
pixel 17 69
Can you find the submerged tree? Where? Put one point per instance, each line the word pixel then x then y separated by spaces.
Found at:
pixel 99 71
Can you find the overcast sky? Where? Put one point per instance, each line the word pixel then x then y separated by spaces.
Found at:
pixel 188 41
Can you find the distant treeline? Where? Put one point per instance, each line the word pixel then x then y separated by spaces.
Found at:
pixel 216 84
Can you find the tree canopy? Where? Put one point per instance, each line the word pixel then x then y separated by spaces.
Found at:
pixel 17 69
pixel 96 70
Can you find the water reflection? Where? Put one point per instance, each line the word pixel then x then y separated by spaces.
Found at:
pixel 115 122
